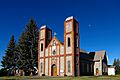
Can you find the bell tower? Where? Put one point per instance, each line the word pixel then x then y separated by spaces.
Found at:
pixel 45 36
pixel 71 47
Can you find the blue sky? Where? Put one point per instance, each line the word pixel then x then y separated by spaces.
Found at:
pixel 99 21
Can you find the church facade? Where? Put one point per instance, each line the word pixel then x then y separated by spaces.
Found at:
pixel 63 59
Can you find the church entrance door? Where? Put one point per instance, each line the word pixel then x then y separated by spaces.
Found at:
pixel 54 70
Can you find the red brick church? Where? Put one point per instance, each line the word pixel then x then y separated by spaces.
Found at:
pixel 66 59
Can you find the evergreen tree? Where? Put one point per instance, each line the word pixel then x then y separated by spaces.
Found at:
pixel 27 48
pixel 118 62
pixel 114 63
pixel 32 43
pixel 20 51
pixel 24 54
pixel 8 61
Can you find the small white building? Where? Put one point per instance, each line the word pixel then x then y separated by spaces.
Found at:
pixel 111 70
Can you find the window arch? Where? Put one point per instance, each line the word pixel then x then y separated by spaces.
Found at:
pixel 41 67
pixel 69 42
pixel 68 64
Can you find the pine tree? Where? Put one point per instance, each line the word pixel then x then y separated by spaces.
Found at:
pixel 27 48
pixel 21 52
pixel 118 62
pixel 32 40
pixel 8 61
pixel 24 54
pixel 114 63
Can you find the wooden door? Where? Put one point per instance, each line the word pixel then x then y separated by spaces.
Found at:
pixel 97 71
pixel 54 71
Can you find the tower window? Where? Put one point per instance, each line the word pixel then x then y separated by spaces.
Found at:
pixel 41 46
pixel 68 42
pixel 76 42
pixel 68 64
pixel 41 66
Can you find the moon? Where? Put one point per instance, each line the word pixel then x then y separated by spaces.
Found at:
pixel 89 25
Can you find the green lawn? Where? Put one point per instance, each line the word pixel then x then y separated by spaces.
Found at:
pixel 117 77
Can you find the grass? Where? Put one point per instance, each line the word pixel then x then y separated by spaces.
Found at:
pixel 117 77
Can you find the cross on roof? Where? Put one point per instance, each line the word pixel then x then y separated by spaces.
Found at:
pixel 55 33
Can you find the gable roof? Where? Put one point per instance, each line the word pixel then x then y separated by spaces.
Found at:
pixel 98 55
pixel 54 38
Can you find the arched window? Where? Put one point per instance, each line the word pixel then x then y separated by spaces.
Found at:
pixel 68 64
pixel 68 42
pixel 54 52
pixel 41 67
pixel 41 46
pixel 77 42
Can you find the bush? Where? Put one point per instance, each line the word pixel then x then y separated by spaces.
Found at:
pixel 117 70
pixel 3 72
